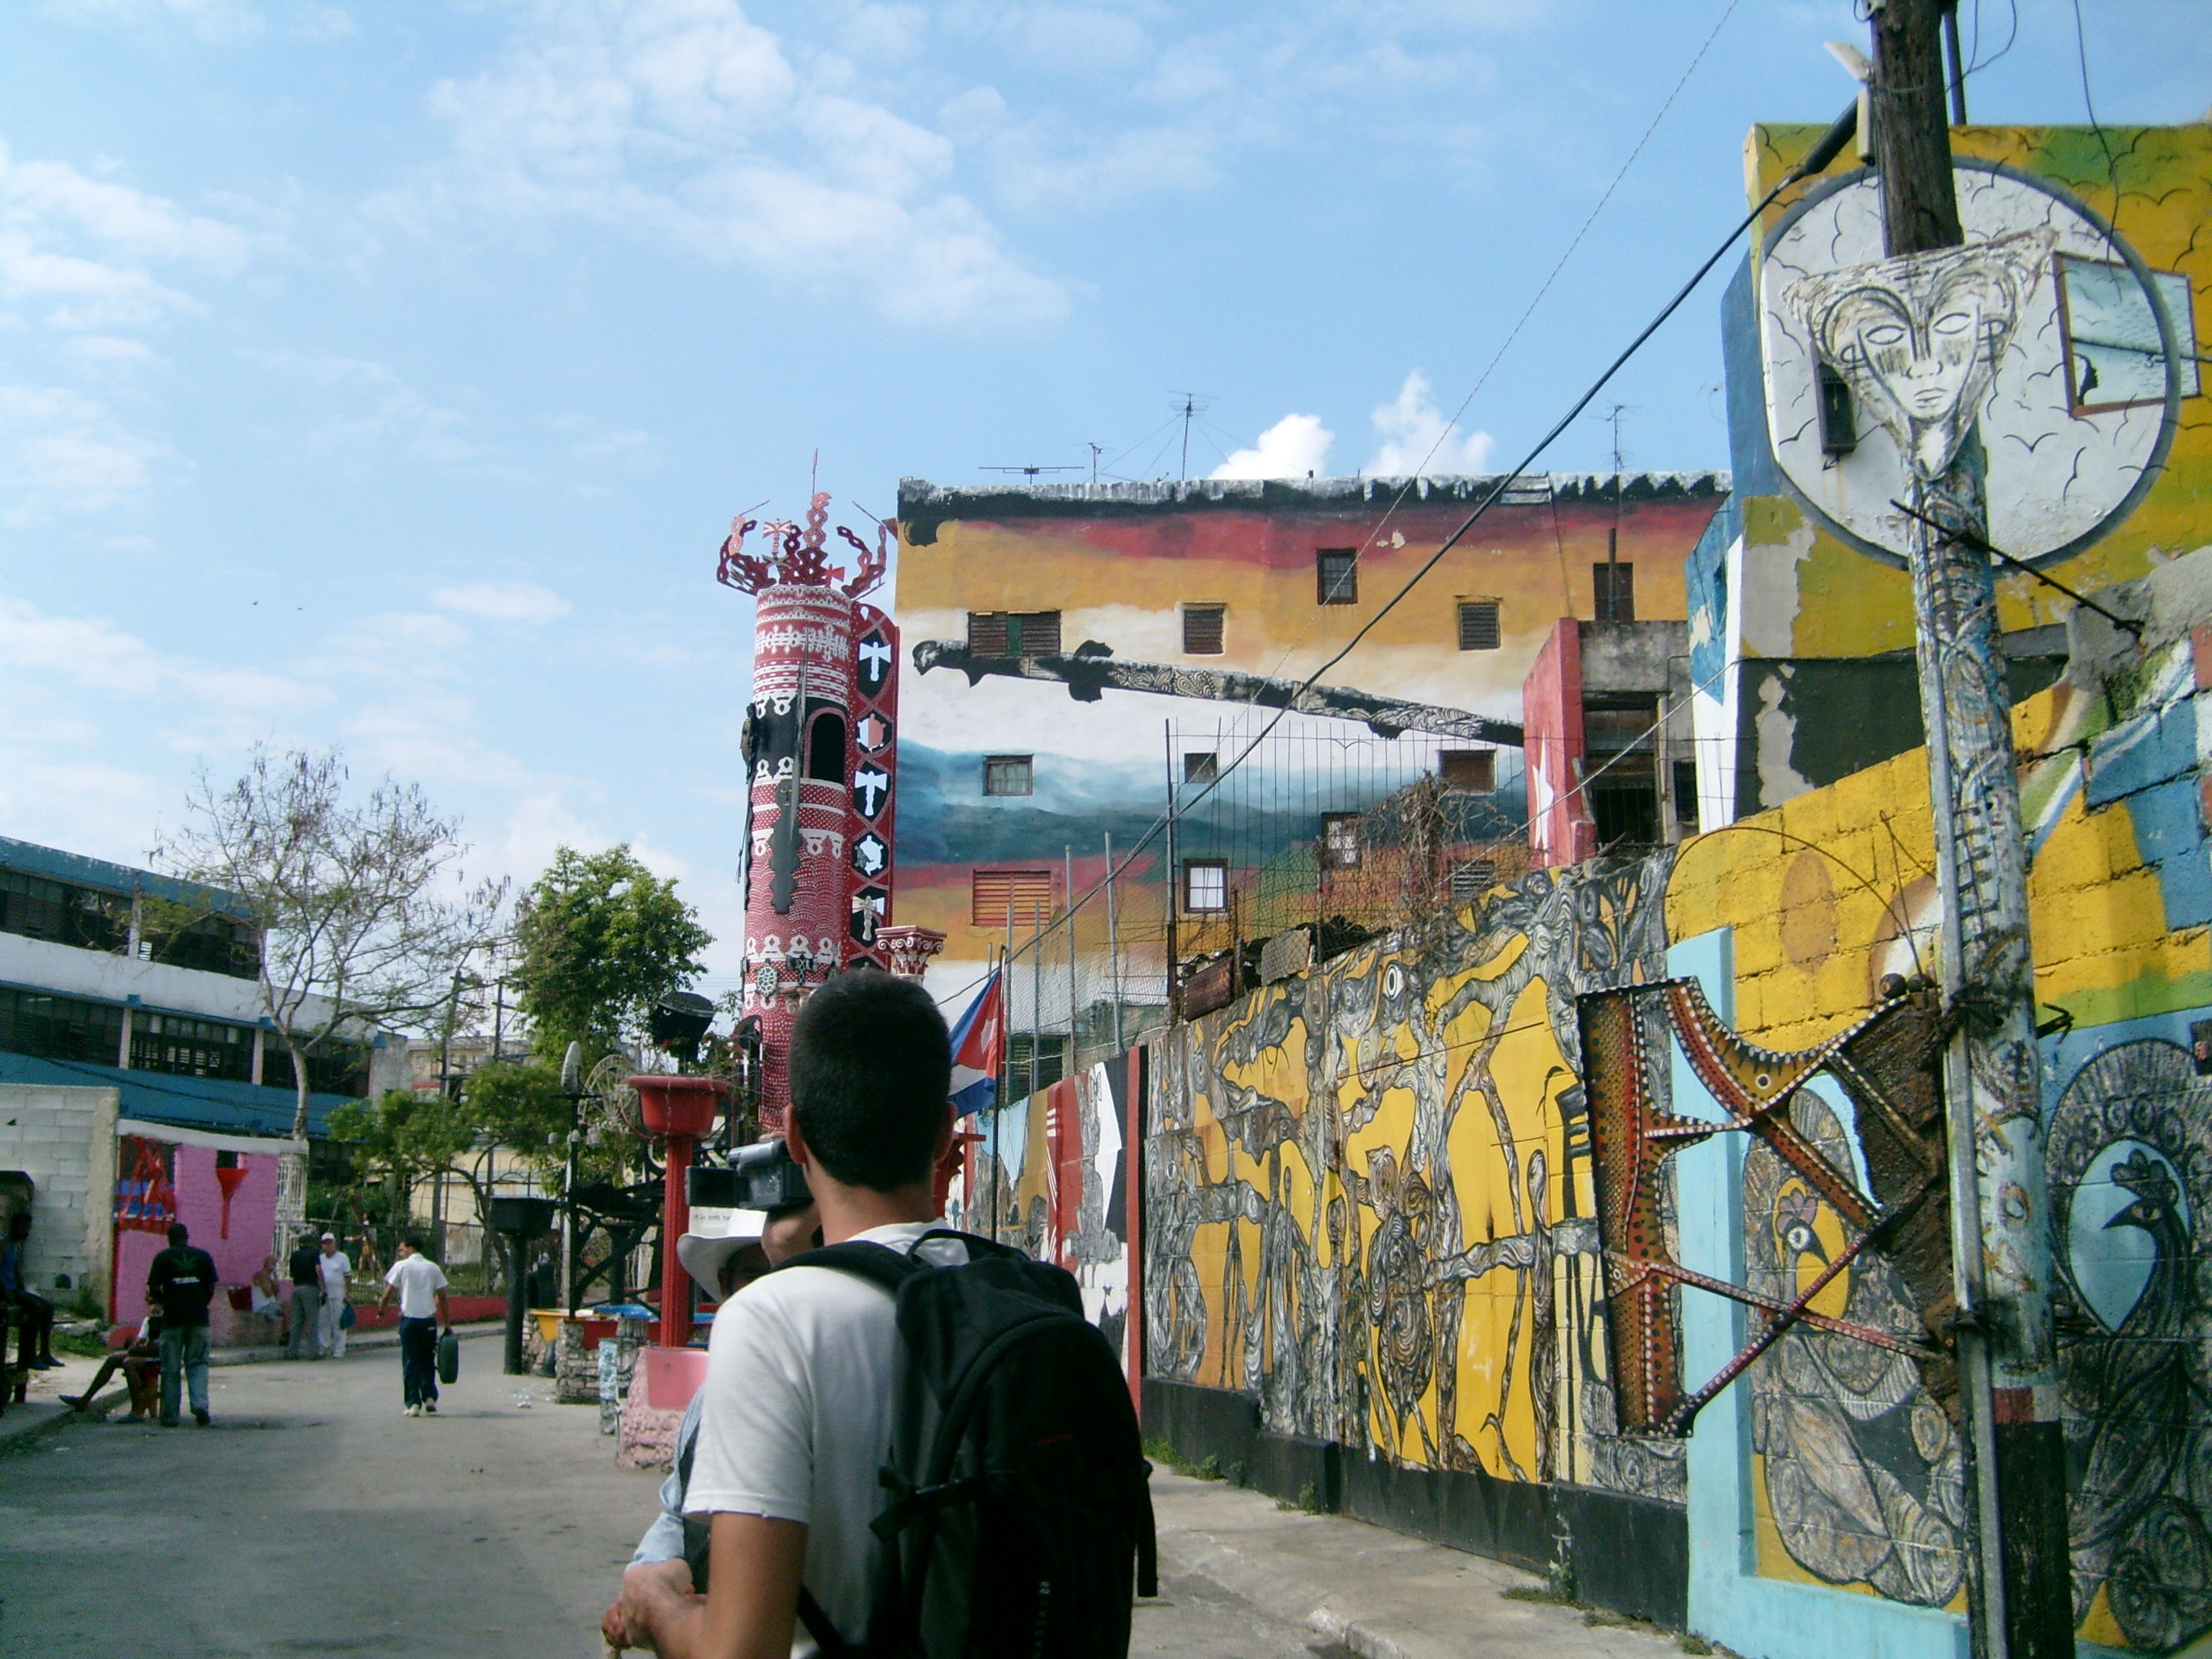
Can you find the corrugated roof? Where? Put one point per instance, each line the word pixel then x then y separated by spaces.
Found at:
pixel 191 1102
pixel 55 865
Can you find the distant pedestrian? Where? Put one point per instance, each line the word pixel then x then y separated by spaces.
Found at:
pixel 420 1284
pixel 334 1278
pixel 181 1284
pixel 307 1301
pixel 34 1348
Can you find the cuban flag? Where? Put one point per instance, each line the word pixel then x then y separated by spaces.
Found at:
pixel 979 1047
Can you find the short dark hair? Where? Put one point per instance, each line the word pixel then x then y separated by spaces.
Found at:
pixel 178 1232
pixel 871 1074
pixel 414 1242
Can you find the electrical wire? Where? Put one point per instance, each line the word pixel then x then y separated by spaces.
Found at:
pixel 2089 105
pixel 1830 144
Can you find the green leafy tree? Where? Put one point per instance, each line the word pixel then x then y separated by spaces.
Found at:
pixel 404 1138
pixel 598 939
pixel 524 1109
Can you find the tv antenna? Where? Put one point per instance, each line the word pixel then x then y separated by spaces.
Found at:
pixel 1190 407
pixel 1029 472
pixel 1097 450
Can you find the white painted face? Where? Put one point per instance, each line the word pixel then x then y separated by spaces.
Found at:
pixel 1919 338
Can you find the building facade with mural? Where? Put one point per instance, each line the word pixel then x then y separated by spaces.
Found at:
pixel 1079 654
pixel 1591 1222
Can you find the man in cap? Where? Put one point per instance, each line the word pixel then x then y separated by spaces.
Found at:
pixel 728 1249
pixel 334 1278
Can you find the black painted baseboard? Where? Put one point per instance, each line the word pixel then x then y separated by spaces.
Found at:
pixel 1631 1555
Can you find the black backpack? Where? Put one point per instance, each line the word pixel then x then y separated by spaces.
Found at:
pixel 1018 1518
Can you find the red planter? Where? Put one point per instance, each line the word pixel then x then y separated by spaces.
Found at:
pixel 685 1106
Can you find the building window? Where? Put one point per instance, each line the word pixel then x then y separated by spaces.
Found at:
pixel 1013 633
pixel 1473 770
pixel 191 1047
pixel 995 896
pixel 60 1027
pixel 1614 585
pixel 1472 878
pixel 1202 766
pixel 1009 775
pixel 68 915
pixel 2114 357
pixel 1339 840
pixel 825 749
pixel 1033 1062
pixel 1205 886
pixel 1203 626
pixel 1478 624
pixel 336 1068
pixel 1336 575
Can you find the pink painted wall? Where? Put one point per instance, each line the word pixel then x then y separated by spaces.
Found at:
pixel 1560 828
pixel 252 1222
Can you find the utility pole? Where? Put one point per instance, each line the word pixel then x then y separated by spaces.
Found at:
pixel 2019 1591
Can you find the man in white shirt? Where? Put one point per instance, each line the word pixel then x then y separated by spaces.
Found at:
pixel 798 1415
pixel 334 1269
pixel 420 1284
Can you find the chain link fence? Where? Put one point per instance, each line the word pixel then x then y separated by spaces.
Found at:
pixel 1312 842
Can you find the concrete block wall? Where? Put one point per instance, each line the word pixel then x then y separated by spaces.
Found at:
pixel 64 1139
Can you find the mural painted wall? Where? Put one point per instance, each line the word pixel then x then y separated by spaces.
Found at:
pixel 1123 564
pixel 2093 476
pixel 224 1188
pixel 1369 1199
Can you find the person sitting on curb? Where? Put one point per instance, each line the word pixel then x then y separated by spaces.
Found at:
pixel 728 1249
pixel 140 1362
pixel 35 1315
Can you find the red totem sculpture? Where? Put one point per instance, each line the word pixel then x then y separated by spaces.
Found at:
pixel 820 756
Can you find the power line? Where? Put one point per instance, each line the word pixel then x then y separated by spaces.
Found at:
pixel 1830 144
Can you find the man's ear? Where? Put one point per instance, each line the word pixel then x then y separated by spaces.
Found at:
pixel 795 1143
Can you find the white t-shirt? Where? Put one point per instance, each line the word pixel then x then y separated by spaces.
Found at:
pixel 797 1418
pixel 333 1269
pixel 419 1280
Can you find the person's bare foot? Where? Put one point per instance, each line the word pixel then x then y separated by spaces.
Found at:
pixel 75 1402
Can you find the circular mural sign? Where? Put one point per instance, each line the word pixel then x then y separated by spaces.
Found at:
pixel 2075 416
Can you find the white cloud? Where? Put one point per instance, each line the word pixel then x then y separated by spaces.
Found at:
pixel 85 246
pixel 515 602
pixel 1294 446
pixel 211 19
pixel 1417 438
pixel 372 406
pixel 63 451
pixel 684 121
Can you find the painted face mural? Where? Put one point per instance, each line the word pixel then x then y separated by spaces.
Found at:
pixel 1918 338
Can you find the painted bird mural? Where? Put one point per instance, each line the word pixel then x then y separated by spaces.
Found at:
pixel 2141 1389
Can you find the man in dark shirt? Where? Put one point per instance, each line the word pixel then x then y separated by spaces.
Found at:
pixel 181 1284
pixel 307 1301
pixel 35 1315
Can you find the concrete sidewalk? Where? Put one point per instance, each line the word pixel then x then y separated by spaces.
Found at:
pixel 1377 1594
pixel 43 1410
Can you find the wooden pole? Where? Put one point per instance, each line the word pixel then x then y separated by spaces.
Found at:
pixel 2019 1590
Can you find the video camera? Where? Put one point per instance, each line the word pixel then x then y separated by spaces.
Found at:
pixel 767 1178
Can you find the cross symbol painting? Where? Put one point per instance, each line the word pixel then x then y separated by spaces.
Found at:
pixel 875 661
pixel 873 786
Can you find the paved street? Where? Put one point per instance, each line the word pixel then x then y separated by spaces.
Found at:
pixel 314 1519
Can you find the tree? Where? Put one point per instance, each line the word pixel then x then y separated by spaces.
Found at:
pixel 599 940
pixel 407 1135
pixel 362 918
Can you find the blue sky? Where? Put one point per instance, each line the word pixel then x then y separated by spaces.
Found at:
pixel 385 374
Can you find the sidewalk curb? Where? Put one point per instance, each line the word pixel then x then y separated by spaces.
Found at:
pixel 15 1438
pixel 1377 1594
pixel 274 1355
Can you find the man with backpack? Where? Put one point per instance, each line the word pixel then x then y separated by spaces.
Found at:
pixel 181 1282
pixel 912 1442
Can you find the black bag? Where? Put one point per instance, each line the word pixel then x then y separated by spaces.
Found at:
pixel 1019 1517
pixel 449 1358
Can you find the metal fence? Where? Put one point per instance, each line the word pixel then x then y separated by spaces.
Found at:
pixel 1267 855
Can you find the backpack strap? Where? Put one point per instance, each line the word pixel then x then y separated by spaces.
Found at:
pixel 879 1264
pixel 829 1642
